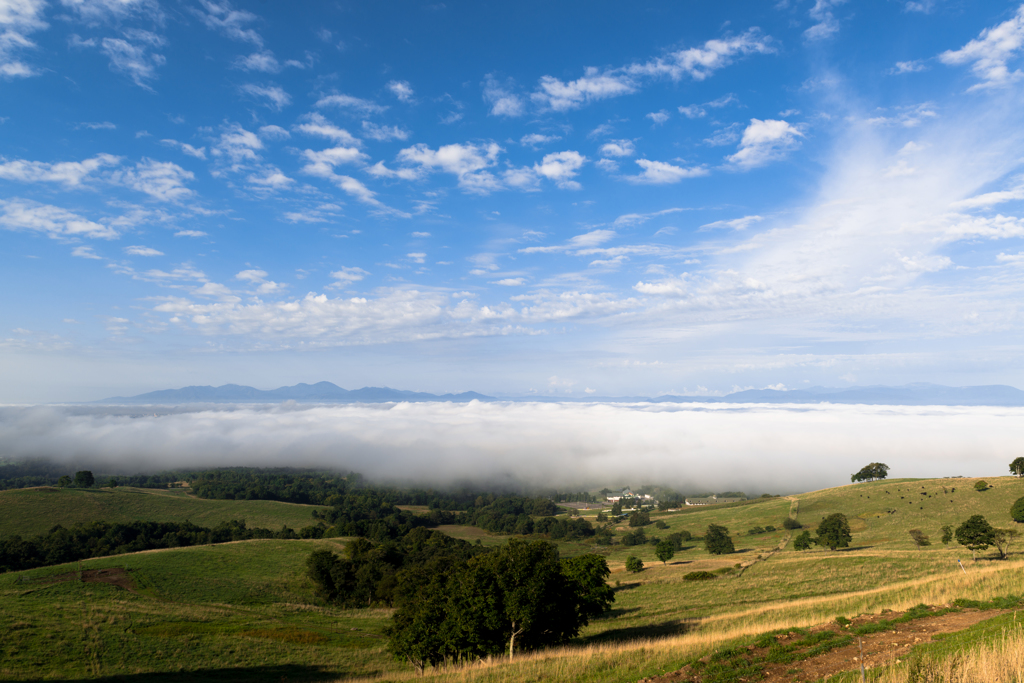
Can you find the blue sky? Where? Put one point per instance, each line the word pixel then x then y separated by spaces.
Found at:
pixel 512 198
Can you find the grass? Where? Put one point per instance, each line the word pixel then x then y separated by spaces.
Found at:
pixel 245 608
pixel 28 512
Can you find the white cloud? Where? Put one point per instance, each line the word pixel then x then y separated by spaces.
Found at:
pixel 264 61
pixel 18 18
pixel 510 282
pixel 421 234
pixel 659 117
pixel 346 276
pixel 662 173
pixel 238 145
pixel 379 170
pixel 53 221
pixel 763 142
pixel 724 136
pixel 693 111
pixel 137 250
pixel 401 89
pixel 253 275
pixel 733 224
pixel 275 96
pixel 317 124
pixel 827 25
pixel 384 133
pixel 990 199
pixel 104 125
pixel 534 140
pixel 417 257
pixel 561 167
pixel 161 180
pixel 270 178
pixel 231 22
pixel 700 62
pixel 68 173
pixel 133 57
pixel 357 106
pixel 503 102
pixel 86 252
pixel 198 153
pixel 322 163
pixel 591 239
pixel 274 133
pixel 467 162
pixel 907 67
pixel 618 148
pixel 989 53
pixel 553 93
pixel 190 233
pixel 630 219
pixel 607 165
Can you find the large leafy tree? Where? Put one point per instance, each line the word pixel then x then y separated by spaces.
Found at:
pixel 717 540
pixel 84 479
pixel 834 531
pixel 875 470
pixel 975 534
pixel 1017 466
pixel 1017 511
pixel 665 550
pixel 803 541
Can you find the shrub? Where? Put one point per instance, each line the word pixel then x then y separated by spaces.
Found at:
pixel 769 528
pixel 660 524
pixel 634 564
pixel 1017 511
pixel 698 576
pixel 791 524
pixel 755 531
pixel 980 485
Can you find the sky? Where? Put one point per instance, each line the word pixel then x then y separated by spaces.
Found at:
pixel 558 199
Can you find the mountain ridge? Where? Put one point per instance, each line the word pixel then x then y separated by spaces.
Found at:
pixel 918 394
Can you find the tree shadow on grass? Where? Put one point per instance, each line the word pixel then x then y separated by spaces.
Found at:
pixel 284 672
pixel 675 627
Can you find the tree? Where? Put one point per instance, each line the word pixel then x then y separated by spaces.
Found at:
pixel 975 534
pixel 665 550
pixel 640 518
pixel 834 531
pixel 717 541
pixel 1002 539
pixel 113 482
pixel 803 541
pixel 617 508
pixel 947 533
pixel 634 564
pixel 1017 466
pixel 875 470
pixel 919 537
pixel 84 479
pixel 588 575
pixel 980 485
pixel 601 517
pixel 64 481
pixel 1017 511
pixel 790 523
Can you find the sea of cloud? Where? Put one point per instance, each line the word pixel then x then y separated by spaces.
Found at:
pixel 755 448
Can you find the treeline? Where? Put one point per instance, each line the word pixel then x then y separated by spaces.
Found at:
pixel 458 602
pixel 60 545
pixel 373 515
pixel 514 515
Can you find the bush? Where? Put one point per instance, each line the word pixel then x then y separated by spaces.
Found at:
pixel 792 524
pixel 634 564
pixel 698 576
pixel 1017 511
pixel 769 528
pixel 660 524
pixel 755 531
pixel 980 485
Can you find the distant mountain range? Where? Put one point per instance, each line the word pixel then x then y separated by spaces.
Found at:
pixel 326 392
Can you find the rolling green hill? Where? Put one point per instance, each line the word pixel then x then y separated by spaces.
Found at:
pixel 27 512
pixel 245 611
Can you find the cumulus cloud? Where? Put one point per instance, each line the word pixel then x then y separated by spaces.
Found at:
pixel 53 221
pixel 618 148
pixel 763 142
pixel 197 152
pixel 238 145
pixel 347 275
pixel 137 250
pixel 663 173
pixel 826 25
pixel 274 96
pixel 734 223
pixel 401 89
pixel 354 105
pixel 501 98
pixel 568 445
pixel 384 133
pixel 222 17
pixel 468 162
pixel 68 173
pixel 561 168
pixel 133 55
pixel 318 125
pixel 989 53
pixel 161 180
pixel 263 60
pixel 18 19
pixel 534 140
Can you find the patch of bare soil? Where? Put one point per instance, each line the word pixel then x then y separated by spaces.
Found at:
pixel 115 576
pixel 879 649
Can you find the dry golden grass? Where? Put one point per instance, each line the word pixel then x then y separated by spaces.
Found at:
pixel 1001 662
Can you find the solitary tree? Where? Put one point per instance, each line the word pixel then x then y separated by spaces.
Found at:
pixel 834 531
pixel 1017 466
pixel 920 538
pixel 64 481
pixel 717 541
pixel 84 479
pixel 875 470
pixel 1002 539
pixel 975 534
pixel 1017 511
pixel 634 564
pixel 980 485
pixel 947 533
pixel 803 541
pixel 665 550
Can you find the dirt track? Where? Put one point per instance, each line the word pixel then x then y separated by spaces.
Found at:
pixel 115 576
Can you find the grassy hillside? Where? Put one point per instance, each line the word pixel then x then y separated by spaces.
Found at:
pixel 34 511
pixel 244 611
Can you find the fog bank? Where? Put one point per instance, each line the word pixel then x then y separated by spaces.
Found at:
pixel 774 448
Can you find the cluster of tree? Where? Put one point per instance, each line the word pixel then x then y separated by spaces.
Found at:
pixel 976 534
pixel 875 470
pixel 60 545
pixel 758 530
pixel 514 515
pixel 372 514
pixel 832 533
pixel 639 518
pixel 456 602
pixel 580 497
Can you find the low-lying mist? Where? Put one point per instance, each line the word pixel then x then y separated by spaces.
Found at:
pixel 571 446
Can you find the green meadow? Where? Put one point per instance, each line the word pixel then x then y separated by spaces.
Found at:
pixel 246 611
